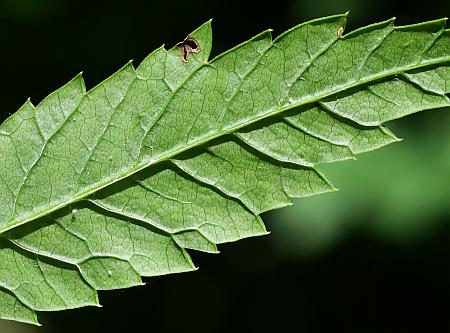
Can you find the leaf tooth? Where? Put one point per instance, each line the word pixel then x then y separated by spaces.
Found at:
pixel 431 26
pixel 340 19
pixel 195 240
pixel 223 187
pixel 205 181
pixel 37 252
pixel 76 83
pixel 315 182
pixel 155 59
pixel 435 79
pixel 130 236
pixel 287 143
pixel 13 122
pixel 44 275
pixel 375 104
pixel 13 309
pixel 113 209
pixel 320 122
pixel 19 297
pixel 108 272
pixel 235 169
pixel 421 85
pixel 389 23
pixel 127 73
pixel 265 35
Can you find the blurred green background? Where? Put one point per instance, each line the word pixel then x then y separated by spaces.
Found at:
pixel 372 257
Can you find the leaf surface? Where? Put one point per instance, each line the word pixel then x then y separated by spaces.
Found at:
pixel 101 187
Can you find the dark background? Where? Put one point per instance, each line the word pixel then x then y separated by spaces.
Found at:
pixel 373 257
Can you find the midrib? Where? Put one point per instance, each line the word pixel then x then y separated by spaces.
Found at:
pixel 95 187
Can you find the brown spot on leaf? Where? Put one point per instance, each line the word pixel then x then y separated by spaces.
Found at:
pixel 188 45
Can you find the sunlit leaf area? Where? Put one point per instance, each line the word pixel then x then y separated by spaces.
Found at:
pixel 373 254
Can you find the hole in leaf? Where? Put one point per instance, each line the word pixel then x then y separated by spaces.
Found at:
pixel 188 45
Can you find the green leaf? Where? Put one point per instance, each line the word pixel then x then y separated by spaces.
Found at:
pixel 100 188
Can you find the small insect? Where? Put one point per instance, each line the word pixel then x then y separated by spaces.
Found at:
pixel 188 45
pixel 340 32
